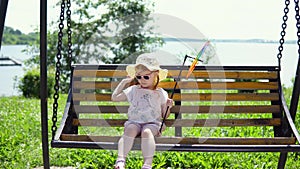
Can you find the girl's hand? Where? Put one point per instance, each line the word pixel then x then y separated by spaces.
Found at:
pixel 127 80
pixel 169 102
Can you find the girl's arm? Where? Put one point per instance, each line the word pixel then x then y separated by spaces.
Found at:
pixel 118 94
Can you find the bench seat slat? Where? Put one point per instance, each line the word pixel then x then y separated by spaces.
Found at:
pixel 230 74
pixel 174 73
pixel 185 109
pixel 222 85
pixel 226 96
pixel 186 85
pixel 192 97
pixel 184 122
pixel 187 140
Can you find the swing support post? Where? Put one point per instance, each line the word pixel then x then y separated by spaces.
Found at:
pixel 43 82
pixel 3 9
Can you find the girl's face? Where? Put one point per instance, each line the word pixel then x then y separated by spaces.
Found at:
pixel 146 78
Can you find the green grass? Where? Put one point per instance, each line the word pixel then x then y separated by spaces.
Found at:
pixel 20 145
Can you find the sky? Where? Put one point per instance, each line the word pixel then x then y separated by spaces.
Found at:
pixel 217 19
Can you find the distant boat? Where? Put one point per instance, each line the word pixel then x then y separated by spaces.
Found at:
pixel 8 61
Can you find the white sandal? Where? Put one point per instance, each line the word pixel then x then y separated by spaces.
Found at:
pixel 145 166
pixel 120 164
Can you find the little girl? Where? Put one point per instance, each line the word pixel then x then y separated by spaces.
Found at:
pixel 148 104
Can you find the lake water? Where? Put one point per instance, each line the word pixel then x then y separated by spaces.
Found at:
pixel 9 73
pixel 227 53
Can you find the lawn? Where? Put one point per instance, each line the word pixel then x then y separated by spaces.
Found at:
pixel 20 146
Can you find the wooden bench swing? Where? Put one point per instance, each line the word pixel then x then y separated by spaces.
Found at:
pixel 214 99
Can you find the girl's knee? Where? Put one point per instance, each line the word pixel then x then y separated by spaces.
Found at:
pixel 146 133
pixel 131 130
pixel 130 127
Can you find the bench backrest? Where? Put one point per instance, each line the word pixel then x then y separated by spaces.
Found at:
pixel 211 99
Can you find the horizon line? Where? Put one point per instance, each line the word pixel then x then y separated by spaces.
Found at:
pixel 252 40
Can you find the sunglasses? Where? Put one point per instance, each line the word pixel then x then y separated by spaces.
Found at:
pixel 146 77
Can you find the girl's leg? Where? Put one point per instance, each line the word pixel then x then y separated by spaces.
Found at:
pixel 125 144
pixel 148 144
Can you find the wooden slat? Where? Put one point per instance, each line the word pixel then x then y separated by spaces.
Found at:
pixel 100 109
pixel 222 85
pixel 186 85
pixel 222 122
pixel 184 122
pixel 187 140
pixel 227 109
pixel 185 109
pixel 192 97
pixel 174 73
pixel 99 73
pixel 94 85
pixel 227 74
pixel 226 97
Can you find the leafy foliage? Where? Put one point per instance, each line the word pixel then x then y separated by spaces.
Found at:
pixel 30 84
pixel 102 31
pixel 16 37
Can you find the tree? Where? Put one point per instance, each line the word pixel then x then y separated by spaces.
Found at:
pixel 108 31
pixel 118 33
pixel 16 37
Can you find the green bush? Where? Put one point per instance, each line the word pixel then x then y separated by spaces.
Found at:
pixel 29 84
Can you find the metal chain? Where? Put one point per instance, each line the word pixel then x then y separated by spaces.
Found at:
pixel 69 32
pixel 58 67
pixel 297 16
pixel 283 26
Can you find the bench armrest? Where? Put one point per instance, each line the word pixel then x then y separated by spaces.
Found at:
pixel 64 118
pixel 289 118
